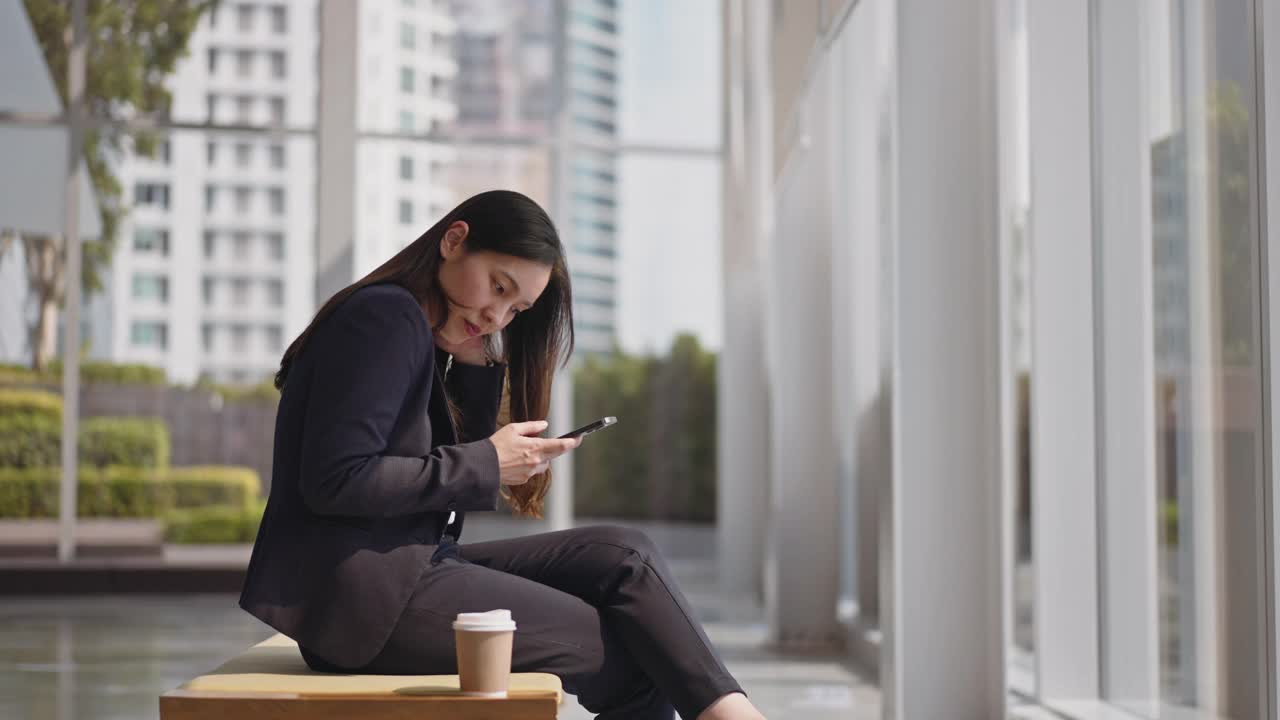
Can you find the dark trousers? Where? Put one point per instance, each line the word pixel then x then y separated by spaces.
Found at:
pixel 596 606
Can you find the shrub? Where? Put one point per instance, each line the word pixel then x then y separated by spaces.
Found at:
pixel 110 492
pixel 11 374
pixel 263 390
pixel 30 440
pixel 204 485
pixel 215 524
pixel 118 373
pixel 125 491
pixel 29 492
pixel 33 439
pixel 90 372
pixel 30 428
pixel 136 442
pixel 34 403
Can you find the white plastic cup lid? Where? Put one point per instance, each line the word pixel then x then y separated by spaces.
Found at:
pixel 492 621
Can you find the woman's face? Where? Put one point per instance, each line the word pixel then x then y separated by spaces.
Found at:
pixel 485 290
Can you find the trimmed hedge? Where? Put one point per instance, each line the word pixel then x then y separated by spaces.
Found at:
pixel 136 442
pixel 119 373
pixel 21 375
pixel 214 524
pixel 34 439
pixel 30 440
pixel 263 390
pixel 90 372
pixel 124 491
pixel 31 403
pixel 100 492
pixel 204 485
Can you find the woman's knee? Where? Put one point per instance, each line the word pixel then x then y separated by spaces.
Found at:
pixel 627 538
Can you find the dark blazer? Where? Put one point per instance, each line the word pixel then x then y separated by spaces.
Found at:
pixel 367 469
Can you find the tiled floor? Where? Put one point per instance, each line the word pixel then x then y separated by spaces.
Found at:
pixel 111 656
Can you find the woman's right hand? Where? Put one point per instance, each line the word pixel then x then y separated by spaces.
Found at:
pixel 521 454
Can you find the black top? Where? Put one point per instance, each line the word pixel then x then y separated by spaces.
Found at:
pixel 367 467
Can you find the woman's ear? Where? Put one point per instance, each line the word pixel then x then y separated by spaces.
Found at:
pixel 454 237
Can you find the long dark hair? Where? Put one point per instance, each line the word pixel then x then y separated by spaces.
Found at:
pixel 533 344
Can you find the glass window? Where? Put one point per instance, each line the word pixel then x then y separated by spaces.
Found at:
pixel 240 338
pixel 211 152
pixel 406 79
pixel 209 287
pixel 594 22
pixel 278 68
pixel 210 244
pixel 150 287
pixel 240 291
pixel 279 19
pixel 152 194
pixel 275 292
pixel 594 125
pixel 212 57
pixel 244 17
pixel 1199 105
pixel 244 63
pixel 243 197
pixel 406 167
pixel 406 121
pixel 149 334
pixel 210 198
pixel 408 36
pixel 277 111
pixel 406 212
pixel 275 197
pixel 211 107
pixel 206 336
pixel 277 156
pixel 244 109
pixel 273 336
pixel 240 244
pixel 275 246
pixel 151 241
pixel 244 154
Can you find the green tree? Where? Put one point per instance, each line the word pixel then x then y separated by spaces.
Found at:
pixel 1232 232
pixel 660 462
pixel 133 49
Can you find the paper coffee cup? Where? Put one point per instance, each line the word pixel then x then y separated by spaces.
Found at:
pixel 484 652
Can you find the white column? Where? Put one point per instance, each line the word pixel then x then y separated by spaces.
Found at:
pixel 861 69
pixel 1064 497
pixel 559 500
pixel 1013 314
pixel 1200 583
pixel 802 566
pixel 944 643
pixel 1130 626
pixel 336 139
pixel 742 390
pixel 71 241
pixel 1268 37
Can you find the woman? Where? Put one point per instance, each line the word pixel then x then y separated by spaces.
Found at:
pixel 385 438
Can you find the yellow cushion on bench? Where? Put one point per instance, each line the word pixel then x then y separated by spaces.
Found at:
pixel 275 666
pixel 270 680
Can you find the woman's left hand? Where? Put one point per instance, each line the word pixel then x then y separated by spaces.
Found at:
pixel 470 352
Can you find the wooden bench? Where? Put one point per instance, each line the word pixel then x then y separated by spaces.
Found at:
pixel 270 680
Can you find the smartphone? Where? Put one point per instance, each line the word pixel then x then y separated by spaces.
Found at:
pixel 600 424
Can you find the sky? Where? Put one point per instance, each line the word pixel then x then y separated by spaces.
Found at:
pixel 669 278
